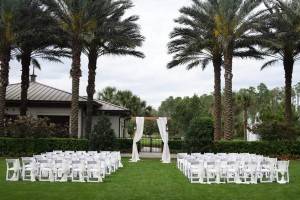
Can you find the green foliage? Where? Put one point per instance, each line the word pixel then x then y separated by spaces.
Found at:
pixel 124 145
pixel 199 134
pixel 150 128
pixel 267 148
pixel 103 137
pixel 126 98
pixel 277 131
pixel 30 127
pixel 17 147
pixel 183 110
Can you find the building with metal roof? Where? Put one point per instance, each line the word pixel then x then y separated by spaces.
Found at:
pixel 55 104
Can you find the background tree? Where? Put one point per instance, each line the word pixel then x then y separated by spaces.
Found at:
pixel 113 36
pixel 281 33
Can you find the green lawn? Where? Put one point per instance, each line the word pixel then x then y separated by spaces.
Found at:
pixel 148 179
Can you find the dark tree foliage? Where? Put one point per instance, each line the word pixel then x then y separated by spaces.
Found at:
pixel 277 131
pixel 200 134
pixel 103 136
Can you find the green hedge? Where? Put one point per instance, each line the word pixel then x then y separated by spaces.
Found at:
pixel 124 145
pixel 268 148
pixel 274 148
pixel 29 146
pixel 26 147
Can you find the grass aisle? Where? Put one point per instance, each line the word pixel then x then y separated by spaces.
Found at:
pixel 147 180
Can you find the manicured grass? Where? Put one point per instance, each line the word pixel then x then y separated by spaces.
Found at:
pixel 148 179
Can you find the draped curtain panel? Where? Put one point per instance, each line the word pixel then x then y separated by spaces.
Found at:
pixel 162 126
pixel 137 137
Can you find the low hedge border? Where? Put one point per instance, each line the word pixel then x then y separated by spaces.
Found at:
pixel 16 147
pixel 29 146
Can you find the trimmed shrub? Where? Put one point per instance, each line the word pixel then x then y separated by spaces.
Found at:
pixel 267 148
pixel 199 135
pixel 30 127
pixel 103 136
pixel 17 147
pixel 277 131
pixel 124 145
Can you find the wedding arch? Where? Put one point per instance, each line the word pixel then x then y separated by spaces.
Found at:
pixel 163 131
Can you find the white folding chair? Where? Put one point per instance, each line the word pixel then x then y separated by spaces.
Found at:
pixel 45 172
pixel 78 168
pixel 29 169
pixel 212 172
pixel 12 169
pixel 60 170
pixel 197 172
pixel 282 172
pixel 232 173
pixel 93 171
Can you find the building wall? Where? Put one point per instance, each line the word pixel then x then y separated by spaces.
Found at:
pixel 116 121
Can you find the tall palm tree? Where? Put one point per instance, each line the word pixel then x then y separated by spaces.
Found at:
pixel 234 24
pixel 35 41
pixel 78 20
pixel 7 38
pixel 113 36
pixel 195 43
pixel 281 33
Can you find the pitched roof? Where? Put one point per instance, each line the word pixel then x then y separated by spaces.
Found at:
pixel 44 93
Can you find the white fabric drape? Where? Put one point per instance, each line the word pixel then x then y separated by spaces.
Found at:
pixel 137 137
pixel 162 126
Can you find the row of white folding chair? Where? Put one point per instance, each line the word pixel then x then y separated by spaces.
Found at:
pixel 248 172
pixel 42 167
pixel 61 170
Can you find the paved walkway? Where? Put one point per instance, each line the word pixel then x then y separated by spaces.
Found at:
pixel 147 155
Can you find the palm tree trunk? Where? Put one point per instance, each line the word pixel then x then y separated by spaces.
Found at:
pixel 25 61
pixel 228 102
pixel 245 112
pixel 90 89
pixel 288 63
pixel 217 62
pixel 75 74
pixel 4 70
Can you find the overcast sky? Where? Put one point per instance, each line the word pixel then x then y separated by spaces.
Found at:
pixel 149 77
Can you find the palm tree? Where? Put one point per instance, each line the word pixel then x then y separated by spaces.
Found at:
pixel 78 20
pixel 113 36
pixel 281 33
pixel 234 24
pixel 245 100
pixel 7 38
pixel 194 44
pixel 34 41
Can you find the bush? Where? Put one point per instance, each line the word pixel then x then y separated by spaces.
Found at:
pixel 103 137
pixel 277 131
pixel 267 148
pixel 199 134
pixel 30 127
pixel 17 147
pixel 124 145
